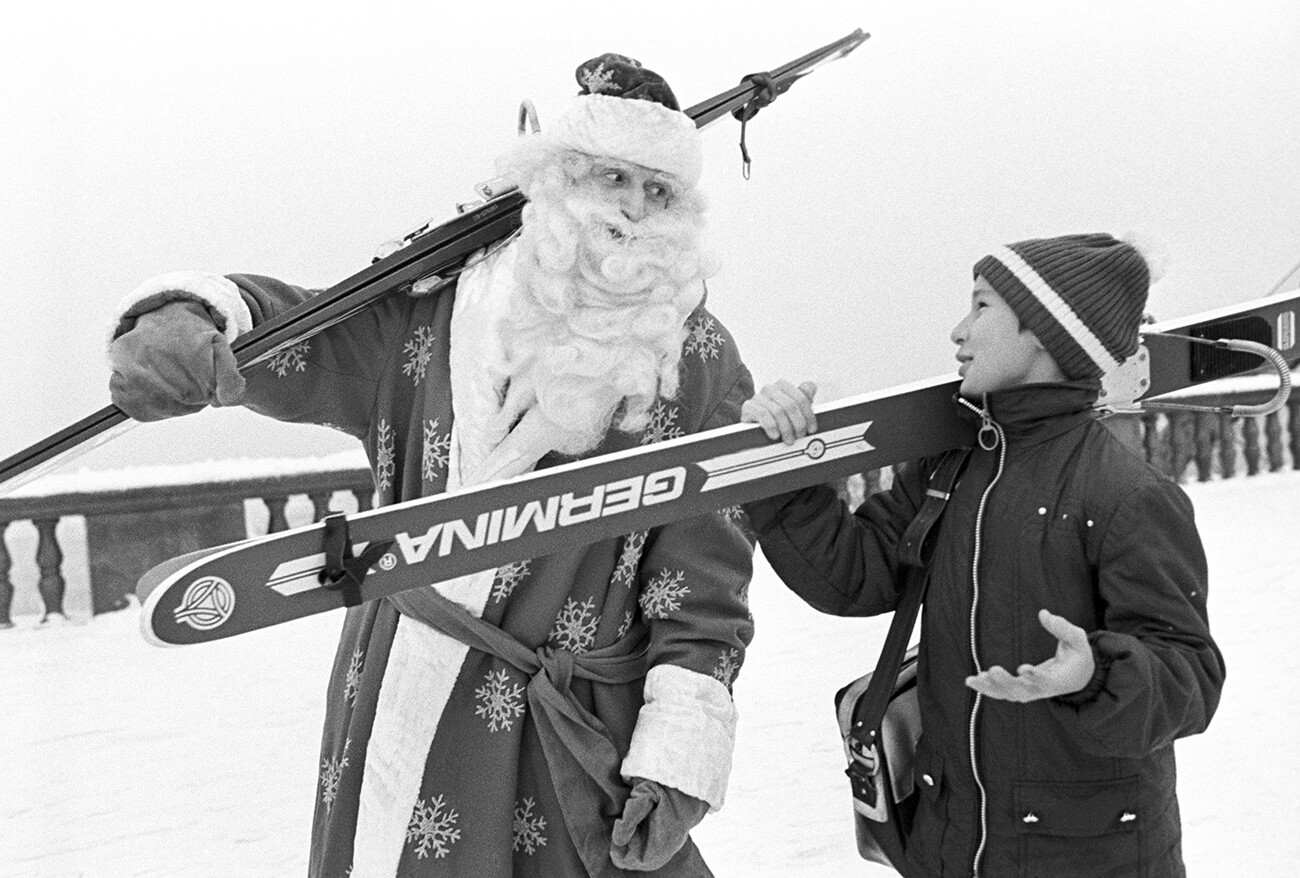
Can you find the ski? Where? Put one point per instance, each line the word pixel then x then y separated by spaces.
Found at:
pixel 269 580
pixel 430 255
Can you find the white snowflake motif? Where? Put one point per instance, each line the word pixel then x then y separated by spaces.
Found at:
pixel 703 338
pixel 573 630
pixel 419 351
pixel 599 80
pixel 431 827
pixel 661 427
pixel 506 578
pixel 630 559
pixel 385 456
pixel 500 702
pixel 292 358
pixel 331 772
pixel 728 665
pixel 528 828
pixel 437 450
pixel 353 679
pixel 626 626
pixel 732 513
pixel 664 593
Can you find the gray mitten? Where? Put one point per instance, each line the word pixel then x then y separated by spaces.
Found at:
pixel 655 824
pixel 173 361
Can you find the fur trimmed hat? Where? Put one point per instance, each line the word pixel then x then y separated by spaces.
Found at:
pixel 627 112
pixel 1082 296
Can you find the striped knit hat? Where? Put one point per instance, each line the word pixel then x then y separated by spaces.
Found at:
pixel 1083 296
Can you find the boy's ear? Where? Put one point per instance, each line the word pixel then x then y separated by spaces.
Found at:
pixel 1038 343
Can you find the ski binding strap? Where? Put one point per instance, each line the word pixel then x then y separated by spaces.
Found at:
pixel 342 570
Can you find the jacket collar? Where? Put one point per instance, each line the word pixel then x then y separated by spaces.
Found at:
pixel 1034 413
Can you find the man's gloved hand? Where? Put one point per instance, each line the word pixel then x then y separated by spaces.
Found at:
pixel 174 361
pixel 655 823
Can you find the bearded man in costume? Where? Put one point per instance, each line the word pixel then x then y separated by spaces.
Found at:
pixel 570 714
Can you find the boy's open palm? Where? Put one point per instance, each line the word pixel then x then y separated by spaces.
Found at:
pixel 1068 671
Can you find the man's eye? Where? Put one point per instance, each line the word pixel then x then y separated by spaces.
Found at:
pixel 657 191
pixel 613 177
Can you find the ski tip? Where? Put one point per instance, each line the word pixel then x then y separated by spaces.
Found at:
pixel 148 604
pixel 155 583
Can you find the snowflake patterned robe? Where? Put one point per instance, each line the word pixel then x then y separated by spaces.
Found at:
pixel 431 760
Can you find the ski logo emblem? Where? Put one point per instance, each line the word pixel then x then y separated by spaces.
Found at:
pixel 207 603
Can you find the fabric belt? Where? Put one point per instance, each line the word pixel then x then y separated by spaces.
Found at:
pixel 582 757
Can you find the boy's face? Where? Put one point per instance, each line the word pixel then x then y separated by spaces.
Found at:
pixel 994 352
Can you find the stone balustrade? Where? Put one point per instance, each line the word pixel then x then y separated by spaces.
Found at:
pixel 131 526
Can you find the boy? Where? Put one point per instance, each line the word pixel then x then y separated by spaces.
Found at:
pixel 1061 555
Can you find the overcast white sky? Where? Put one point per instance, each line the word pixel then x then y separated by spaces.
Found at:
pixel 292 138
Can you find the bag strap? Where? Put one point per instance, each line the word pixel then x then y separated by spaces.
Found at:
pixel 914 551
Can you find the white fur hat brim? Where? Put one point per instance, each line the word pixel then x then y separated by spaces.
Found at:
pixel 638 131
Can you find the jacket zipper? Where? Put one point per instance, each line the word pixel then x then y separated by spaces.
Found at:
pixel 991 436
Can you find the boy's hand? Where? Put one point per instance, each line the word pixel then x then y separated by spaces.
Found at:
pixel 783 410
pixel 1068 671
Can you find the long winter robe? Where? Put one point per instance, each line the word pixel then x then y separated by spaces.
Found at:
pixel 1057 514
pixel 508 758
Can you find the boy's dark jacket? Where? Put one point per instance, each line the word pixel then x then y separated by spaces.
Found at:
pixel 1076 523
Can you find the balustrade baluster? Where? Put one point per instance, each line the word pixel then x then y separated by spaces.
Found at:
pixel 277 521
pixel 1250 439
pixel 1205 427
pixel 1273 441
pixel 49 558
pixel 320 504
pixel 365 499
pixel 1227 446
pixel 6 587
pixel 1151 436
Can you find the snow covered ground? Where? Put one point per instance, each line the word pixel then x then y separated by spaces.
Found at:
pixel 120 759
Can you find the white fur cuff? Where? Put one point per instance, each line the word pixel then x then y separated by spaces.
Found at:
pixel 685 734
pixel 217 292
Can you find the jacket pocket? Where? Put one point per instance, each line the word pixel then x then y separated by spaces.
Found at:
pixel 1064 825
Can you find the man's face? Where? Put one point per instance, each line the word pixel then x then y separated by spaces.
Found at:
pixel 638 192
pixel 994 352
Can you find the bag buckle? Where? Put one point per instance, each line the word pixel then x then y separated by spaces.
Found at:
pixel 866 779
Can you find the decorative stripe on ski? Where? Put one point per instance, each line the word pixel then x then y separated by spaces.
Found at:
pixel 262 582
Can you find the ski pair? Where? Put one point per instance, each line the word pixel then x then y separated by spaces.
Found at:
pixel 269 580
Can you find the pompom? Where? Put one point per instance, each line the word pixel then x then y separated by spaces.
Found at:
pixel 1152 249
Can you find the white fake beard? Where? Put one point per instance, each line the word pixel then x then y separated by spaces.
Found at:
pixel 596 320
